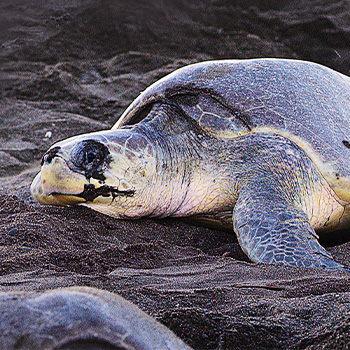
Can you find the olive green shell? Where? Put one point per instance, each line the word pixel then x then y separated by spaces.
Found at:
pixel 304 101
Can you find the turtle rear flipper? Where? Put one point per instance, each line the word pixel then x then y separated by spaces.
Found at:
pixel 271 229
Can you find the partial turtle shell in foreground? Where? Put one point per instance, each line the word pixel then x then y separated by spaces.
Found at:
pixel 79 318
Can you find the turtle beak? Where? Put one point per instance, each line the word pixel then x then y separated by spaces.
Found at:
pixel 38 193
pixel 57 184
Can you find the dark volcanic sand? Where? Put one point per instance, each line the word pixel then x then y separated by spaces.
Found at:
pixel 70 66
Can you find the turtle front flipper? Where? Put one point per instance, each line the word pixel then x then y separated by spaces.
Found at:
pixel 271 228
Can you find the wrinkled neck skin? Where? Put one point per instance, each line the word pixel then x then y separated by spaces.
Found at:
pixel 178 160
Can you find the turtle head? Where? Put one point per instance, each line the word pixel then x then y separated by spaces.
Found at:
pixel 109 171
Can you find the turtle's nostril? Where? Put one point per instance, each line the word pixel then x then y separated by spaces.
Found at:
pixel 49 155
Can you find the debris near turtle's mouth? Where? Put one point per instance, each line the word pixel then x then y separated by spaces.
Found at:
pixel 91 192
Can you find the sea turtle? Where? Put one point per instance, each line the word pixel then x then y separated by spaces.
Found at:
pixel 79 318
pixel 259 144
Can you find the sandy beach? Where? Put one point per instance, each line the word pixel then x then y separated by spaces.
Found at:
pixel 72 66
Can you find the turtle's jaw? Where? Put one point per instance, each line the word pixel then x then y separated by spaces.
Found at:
pixel 38 193
pixel 57 184
pixel 52 198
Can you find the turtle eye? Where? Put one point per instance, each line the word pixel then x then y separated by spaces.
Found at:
pixel 90 156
